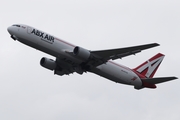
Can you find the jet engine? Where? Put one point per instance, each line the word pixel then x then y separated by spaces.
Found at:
pixel 82 53
pixel 48 63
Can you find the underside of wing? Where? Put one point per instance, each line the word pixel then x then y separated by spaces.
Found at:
pixel 90 59
pixel 122 52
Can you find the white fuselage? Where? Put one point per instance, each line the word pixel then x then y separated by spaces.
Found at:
pixel 60 49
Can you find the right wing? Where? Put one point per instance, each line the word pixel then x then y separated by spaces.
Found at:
pixel 122 52
pixel 102 56
pixel 97 58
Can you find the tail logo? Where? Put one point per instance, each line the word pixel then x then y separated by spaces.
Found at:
pixel 150 67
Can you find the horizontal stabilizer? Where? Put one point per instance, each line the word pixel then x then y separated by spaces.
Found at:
pixel 158 80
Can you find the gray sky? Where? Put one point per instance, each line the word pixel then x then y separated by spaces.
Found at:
pixel 30 92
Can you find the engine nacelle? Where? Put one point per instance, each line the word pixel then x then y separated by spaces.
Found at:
pixel 82 53
pixel 48 63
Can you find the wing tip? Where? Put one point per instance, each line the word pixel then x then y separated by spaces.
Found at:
pixel 156 44
pixel 152 45
pixel 175 78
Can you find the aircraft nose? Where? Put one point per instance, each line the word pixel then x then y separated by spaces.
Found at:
pixel 9 29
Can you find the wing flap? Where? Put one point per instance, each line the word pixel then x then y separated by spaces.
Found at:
pixel 124 54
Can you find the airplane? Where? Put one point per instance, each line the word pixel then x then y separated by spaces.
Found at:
pixel 71 58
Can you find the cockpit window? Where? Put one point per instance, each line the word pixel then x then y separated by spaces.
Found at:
pixel 16 25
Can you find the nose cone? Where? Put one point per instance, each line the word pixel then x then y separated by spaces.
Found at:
pixel 9 29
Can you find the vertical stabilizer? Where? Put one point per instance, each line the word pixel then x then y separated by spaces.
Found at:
pixel 149 68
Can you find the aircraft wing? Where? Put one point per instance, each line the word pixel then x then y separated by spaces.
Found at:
pixel 122 52
pixel 102 56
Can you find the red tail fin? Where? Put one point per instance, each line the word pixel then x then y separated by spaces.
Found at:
pixel 149 68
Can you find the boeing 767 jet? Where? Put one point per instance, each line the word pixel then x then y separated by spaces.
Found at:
pixel 71 58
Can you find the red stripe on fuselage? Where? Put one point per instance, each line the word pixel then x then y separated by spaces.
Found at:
pixel 120 66
pixel 65 42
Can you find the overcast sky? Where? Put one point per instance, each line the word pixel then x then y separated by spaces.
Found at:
pixel 30 92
